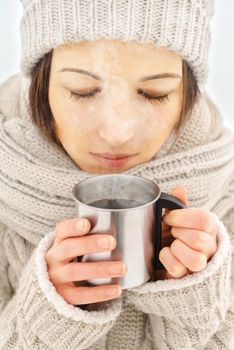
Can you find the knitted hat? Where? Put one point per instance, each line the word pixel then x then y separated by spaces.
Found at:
pixel 182 26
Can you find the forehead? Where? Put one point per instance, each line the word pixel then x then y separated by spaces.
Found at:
pixel 118 55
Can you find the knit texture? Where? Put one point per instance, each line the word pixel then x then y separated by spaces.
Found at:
pixel 36 178
pixel 181 26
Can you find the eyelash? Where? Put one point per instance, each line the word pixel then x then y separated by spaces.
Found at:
pixel 156 99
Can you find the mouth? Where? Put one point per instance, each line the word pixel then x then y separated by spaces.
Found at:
pixel 113 160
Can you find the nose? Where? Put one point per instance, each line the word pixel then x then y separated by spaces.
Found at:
pixel 116 132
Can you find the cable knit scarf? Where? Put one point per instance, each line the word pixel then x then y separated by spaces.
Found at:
pixel 36 177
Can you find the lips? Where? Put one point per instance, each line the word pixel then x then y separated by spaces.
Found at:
pixel 113 156
pixel 113 160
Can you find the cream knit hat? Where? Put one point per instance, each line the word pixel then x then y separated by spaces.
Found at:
pixel 182 26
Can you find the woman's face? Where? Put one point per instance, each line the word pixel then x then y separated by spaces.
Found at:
pixel 112 98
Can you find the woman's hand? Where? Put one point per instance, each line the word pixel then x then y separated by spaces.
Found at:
pixel 72 241
pixel 194 235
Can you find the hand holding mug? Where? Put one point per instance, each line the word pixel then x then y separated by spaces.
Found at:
pixel 129 208
pixel 72 240
pixel 195 239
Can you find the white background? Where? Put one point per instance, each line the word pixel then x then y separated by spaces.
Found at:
pixel 221 74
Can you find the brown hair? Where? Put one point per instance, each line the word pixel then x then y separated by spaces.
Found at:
pixel 39 97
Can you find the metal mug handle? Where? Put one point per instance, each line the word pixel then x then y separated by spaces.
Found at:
pixel 165 201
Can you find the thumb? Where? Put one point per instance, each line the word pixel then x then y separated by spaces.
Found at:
pixel 180 193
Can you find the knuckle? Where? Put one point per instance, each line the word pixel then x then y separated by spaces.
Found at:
pixel 53 276
pixel 200 242
pixel 205 221
pixel 213 248
pixel 49 256
pixel 64 249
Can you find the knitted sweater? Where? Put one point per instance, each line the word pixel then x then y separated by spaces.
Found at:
pixel 36 178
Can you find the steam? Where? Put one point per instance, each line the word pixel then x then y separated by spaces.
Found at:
pixel 118 113
pixel 118 186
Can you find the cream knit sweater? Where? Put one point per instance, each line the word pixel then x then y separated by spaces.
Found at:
pixel 195 312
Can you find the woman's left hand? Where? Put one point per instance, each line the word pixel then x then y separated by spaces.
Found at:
pixel 195 239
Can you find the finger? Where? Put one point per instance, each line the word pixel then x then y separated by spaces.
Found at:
pixel 190 258
pixel 197 240
pixel 71 228
pixel 87 295
pixel 71 248
pixel 191 218
pixel 180 193
pixel 175 268
pixel 85 271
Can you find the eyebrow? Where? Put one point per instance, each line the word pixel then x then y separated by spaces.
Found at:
pixel 96 77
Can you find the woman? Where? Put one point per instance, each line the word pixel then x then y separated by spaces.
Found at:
pixel 112 87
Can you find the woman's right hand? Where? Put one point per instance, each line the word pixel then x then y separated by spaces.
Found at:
pixel 73 241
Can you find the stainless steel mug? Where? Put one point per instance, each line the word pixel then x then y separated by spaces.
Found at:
pixel 128 207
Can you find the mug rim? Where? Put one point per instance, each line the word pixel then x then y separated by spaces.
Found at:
pixel 120 209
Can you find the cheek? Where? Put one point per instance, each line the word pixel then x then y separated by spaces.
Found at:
pixel 169 114
pixel 74 120
pixel 69 116
pixel 160 122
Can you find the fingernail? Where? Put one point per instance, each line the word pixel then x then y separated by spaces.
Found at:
pixel 115 291
pixel 177 271
pixel 80 225
pixel 105 242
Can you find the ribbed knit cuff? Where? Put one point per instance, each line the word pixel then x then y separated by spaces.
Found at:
pixel 44 313
pixel 181 26
pixel 203 295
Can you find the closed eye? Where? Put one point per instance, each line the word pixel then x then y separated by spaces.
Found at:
pixel 155 99
pixel 84 97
